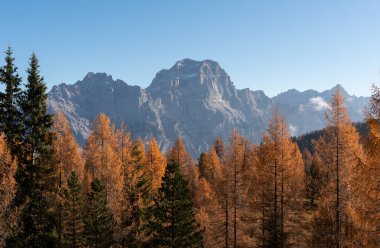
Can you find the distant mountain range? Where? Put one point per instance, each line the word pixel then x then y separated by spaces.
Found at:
pixel 195 100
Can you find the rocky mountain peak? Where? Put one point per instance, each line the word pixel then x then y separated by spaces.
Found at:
pixel 92 77
pixel 195 100
pixel 341 89
pixel 188 71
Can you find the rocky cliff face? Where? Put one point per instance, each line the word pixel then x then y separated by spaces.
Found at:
pixel 195 100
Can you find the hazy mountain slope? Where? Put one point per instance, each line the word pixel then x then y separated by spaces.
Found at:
pixel 195 100
pixel 305 111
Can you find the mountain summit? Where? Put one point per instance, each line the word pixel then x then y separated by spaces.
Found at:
pixel 195 100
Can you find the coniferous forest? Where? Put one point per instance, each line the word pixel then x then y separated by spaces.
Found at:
pixel 119 191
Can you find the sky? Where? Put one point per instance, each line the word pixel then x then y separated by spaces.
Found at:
pixel 263 45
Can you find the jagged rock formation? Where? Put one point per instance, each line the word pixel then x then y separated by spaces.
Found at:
pixel 195 100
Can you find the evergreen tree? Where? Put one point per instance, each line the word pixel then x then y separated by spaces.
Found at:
pixel 174 224
pixel 73 212
pixel 36 172
pixel 10 114
pixel 99 223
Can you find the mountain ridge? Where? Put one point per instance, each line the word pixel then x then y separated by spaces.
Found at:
pixel 195 100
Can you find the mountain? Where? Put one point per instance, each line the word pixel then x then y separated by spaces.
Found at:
pixel 195 100
pixel 305 111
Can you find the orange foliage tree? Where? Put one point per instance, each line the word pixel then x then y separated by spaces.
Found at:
pixel 155 163
pixel 103 161
pixel 340 152
pixel 8 216
pixel 67 153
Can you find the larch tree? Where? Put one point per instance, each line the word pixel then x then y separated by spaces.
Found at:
pixel 314 177
pixel 125 146
pixel 68 157
pixel 219 147
pixel 8 215
pixel 173 223
pixel 187 166
pixel 208 213
pixel 340 152
pixel 10 100
pixel 365 207
pixel 138 192
pixel 155 163
pixel 265 192
pixel 209 199
pixel 66 150
pixel 236 185
pixel 103 161
pixel 283 171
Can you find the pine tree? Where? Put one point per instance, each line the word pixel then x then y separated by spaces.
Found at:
pixel 10 114
pixel 36 172
pixel 173 223
pixel 73 213
pixel 98 221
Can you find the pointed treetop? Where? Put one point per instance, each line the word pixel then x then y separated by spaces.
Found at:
pixel 337 114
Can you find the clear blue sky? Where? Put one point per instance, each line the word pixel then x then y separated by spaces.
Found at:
pixel 268 45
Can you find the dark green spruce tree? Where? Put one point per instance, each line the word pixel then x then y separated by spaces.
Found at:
pixel 73 213
pixel 98 221
pixel 173 223
pixel 36 173
pixel 10 115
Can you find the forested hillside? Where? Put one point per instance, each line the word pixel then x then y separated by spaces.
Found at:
pixel 118 191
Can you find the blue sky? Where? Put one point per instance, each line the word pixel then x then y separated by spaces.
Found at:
pixel 268 45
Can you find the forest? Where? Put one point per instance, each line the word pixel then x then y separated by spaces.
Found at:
pixel 119 191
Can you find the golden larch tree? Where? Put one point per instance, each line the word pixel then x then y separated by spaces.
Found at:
pixel 187 166
pixel 67 153
pixel 281 171
pixel 8 215
pixel 155 163
pixel 365 206
pixel 103 161
pixel 340 152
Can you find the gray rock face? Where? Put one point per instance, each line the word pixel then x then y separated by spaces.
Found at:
pixel 195 100
pixel 305 111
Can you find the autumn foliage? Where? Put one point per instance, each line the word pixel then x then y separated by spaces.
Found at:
pixel 123 191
